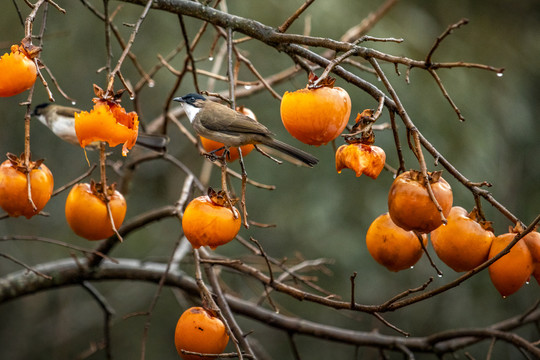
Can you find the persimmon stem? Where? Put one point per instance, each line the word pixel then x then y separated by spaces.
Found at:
pixel 243 188
pixel 419 236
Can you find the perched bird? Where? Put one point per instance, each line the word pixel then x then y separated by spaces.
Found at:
pixel 220 123
pixel 61 121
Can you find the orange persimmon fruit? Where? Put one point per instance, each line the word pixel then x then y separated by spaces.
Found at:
pixel 318 114
pixel 200 331
pixel 410 206
pixel 86 210
pixel 391 246
pixel 210 220
pixel 464 242
pixel 18 71
pixel 211 145
pixel 510 272
pixel 107 121
pixel 532 240
pixel 361 158
pixel 14 186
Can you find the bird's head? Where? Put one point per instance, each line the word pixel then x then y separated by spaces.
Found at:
pixel 40 112
pixel 192 104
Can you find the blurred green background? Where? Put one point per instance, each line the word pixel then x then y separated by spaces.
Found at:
pixel 319 213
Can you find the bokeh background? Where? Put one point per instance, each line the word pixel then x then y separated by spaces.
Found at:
pixel 318 213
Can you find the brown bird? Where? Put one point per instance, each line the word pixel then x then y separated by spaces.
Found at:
pixel 220 123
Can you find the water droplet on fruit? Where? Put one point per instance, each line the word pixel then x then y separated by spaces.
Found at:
pixel 527 282
pixel 499 74
pixel 504 297
pixel 412 267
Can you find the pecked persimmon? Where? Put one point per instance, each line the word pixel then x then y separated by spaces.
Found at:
pixel 361 158
pixel 14 186
pixel 464 242
pixel 410 206
pixel 18 71
pixel 107 121
pixel 200 331
pixel 210 220
pixel 316 114
pixel 391 246
pixel 86 210
pixel 211 145
pixel 511 271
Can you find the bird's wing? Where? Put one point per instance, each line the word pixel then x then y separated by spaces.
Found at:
pixel 67 111
pixel 228 120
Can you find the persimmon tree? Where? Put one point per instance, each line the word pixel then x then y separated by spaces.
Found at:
pixel 271 305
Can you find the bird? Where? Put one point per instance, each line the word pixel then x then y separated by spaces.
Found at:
pixel 220 123
pixel 61 121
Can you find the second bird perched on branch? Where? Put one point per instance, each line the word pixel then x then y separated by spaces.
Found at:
pixel 220 123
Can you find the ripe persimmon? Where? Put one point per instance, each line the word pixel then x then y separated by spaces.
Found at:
pixel 107 121
pixel 198 330
pixel 211 145
pixel 318 114
pixel 86 210
pixel 210 220
pixel 511 271
pixel 18 71
pixel 14 186
pixel 391 246
pixel 411 207
pixel 463 243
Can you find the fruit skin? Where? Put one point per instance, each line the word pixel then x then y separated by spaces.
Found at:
pixel 207 223
pixel 316 116
pixel 463 243
pixel 510 272
pixel 361 158
pixel 211 145
pixel 391 246
pixel 86 213
pixel 14 192
pixel 17 72
pixel 409 204
pixel 532 240
pixel 197 330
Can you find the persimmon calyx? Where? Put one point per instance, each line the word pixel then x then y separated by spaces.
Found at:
pixel 362 131
pixel 315 83
pixel 27 48
pixel 476 215
pixel 107 96
pixel 104 194
pixel 220 198
pixel 19 163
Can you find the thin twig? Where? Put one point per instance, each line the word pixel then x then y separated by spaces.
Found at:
pixel 283 27
pixel 27 267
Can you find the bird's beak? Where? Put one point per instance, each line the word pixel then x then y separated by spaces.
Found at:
pixel 179 99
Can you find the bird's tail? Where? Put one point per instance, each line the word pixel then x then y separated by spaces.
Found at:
pixel 154 142
pixel 291 154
